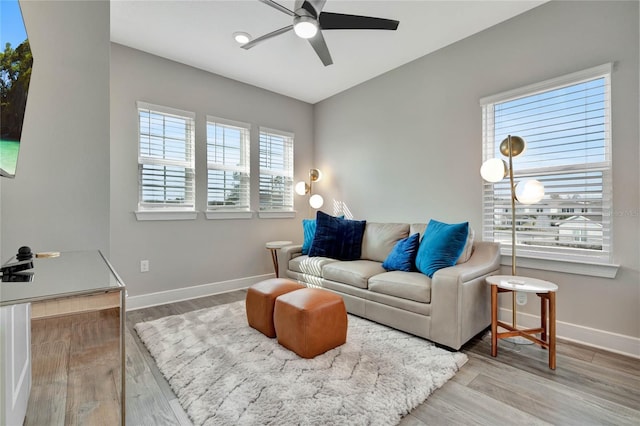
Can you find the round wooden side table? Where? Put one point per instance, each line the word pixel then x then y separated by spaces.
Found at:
pixel 546 291
pixel 273 246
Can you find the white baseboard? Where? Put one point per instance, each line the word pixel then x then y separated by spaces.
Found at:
pixel 178 295
pixel 612 342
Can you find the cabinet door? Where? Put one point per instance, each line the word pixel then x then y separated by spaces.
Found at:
pixel 15 353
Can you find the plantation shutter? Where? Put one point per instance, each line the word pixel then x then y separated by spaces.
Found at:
pixel 165 158
pixel 228 181
pixel 567 128
pixel 276 170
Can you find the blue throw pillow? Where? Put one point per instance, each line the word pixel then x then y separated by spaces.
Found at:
pixel 337 238
pixel 441 246
pixel 403 255
pixel 309 230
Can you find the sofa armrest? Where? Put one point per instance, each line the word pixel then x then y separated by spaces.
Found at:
pixel 286 254
pixel 460 298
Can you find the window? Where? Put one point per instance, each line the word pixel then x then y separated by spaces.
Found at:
pixel 165 158
pixel 276 171
pixel 228 178
pixel 566 125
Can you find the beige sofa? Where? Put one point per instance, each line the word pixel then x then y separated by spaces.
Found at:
pixel 448 309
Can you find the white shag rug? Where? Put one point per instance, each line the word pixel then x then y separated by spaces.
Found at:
pixel 225 372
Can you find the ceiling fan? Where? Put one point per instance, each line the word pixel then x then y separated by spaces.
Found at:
pixel 309 20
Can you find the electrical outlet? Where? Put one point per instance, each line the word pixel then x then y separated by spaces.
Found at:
pixel 144 266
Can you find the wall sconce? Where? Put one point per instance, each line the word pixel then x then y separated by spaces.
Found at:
pixel 302 188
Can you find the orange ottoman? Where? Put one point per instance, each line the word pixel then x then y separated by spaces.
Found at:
pixel 310 321
pixel 260 301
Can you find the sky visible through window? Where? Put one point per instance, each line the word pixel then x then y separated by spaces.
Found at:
pixel 12 28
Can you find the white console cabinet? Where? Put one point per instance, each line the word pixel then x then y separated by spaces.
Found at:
pixel 15 353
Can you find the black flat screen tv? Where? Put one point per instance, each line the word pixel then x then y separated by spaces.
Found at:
pixel 15 74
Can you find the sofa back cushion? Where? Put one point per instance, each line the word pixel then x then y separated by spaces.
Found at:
pixel 380 238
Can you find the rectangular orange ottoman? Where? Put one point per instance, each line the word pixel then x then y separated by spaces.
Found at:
pixel 260 301
pixel 310 321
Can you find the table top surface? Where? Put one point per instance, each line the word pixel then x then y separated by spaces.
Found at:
pixel 73 273
pixel 524 284
pixel 277 244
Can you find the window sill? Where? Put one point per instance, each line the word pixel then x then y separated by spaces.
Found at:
pixel 277 214
pixel 143 215
pixel 592 269
pixel 228 214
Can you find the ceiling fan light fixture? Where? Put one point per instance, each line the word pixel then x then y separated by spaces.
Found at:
pixel 241 37
pixel 305 26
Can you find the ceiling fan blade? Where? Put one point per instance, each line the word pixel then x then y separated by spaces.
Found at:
pixel 260 39
pixel 278 7
pixel 320 46
pixel 339 21
pixel 312 6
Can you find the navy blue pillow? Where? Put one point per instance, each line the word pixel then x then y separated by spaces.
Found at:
pixel 309 230
pixel 441 246
pixel 403 255
pixel 337 238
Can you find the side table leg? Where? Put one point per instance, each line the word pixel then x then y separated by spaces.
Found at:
pixel 543 315
pixel 552 330
pixel 494 320
pixel 274 258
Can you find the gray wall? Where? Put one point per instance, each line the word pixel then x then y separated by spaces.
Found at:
pixel 201 251
pixel 406 146
pixel 59 199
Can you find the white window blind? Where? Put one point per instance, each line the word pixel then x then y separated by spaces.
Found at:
pixel 276 170
pixel 165 158
pixel 566 125
pixel 228 180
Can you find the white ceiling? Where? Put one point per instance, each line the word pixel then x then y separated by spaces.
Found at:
pixel 199 33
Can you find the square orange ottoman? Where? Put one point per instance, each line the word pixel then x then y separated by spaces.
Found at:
pixel 310 321
pixel 260 301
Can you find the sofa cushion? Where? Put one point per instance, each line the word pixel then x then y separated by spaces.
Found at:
pixel 355 273
pixel 309 265
pixel 403 255
pixel 468 247
pixel 406 285
pixel 380 238
pixel 337 238
pixel 441 246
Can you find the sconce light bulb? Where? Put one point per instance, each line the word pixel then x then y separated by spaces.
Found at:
pixel 301 188
pixel 316 201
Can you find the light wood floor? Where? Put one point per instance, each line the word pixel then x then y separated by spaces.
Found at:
pixel 589 387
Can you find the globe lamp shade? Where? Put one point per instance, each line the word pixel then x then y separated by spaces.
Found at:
pixel 529 191
pixel 493 170
pixel 301 188
pixel 316 201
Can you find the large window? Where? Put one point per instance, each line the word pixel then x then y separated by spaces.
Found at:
pixel 165 158
pixel 276 171
pixel 228 183
pixel 566 125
